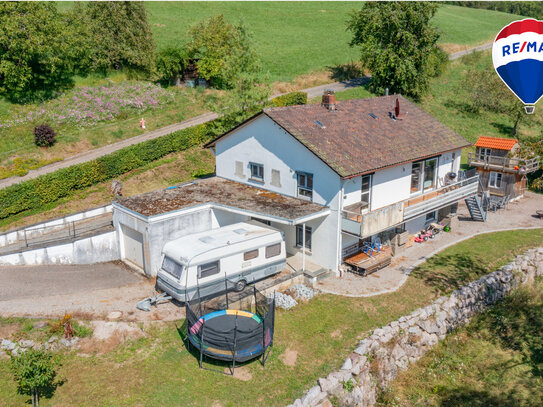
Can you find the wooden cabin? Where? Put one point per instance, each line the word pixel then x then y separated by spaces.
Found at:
pixel 501 171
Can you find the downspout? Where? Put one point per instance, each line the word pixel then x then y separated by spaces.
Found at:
pixel 339 258
pixel 303 247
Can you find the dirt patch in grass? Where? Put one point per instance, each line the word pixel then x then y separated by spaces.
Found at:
pixel 289 357
pixel 303 82
pixel 241 373
pixel 108 336
pixel 336 334
pixel 9 331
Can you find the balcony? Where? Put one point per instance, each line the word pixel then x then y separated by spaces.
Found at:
pixel 504 164
pixel 370 223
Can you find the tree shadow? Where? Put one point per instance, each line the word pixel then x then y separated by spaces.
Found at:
pixel 461 106
pixel 344 72
pixel 466 396
pixel 448 273
pixel 503 128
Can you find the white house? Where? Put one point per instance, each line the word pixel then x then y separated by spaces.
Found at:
pixel 328 175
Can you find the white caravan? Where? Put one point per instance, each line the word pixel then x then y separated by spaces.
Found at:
pixel 242 253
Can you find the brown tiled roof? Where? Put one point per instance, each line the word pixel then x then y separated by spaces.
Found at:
pixel 222 192
pixel 496 143
pixel 353 142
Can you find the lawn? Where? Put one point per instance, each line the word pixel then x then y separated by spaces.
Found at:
pixel 158 370
pixel 76 135
pixel 295 38
pixel 494 361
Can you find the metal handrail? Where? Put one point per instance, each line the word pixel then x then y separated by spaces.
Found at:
pixel 425 197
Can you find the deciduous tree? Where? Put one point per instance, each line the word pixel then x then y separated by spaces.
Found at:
pixel 40 50
pixel 398 45
pixel 121 36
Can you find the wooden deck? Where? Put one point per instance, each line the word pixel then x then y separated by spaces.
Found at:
pixel 364 264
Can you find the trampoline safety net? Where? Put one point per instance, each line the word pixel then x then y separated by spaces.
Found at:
pixel 231 326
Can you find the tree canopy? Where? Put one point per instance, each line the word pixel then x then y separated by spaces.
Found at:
pixel 40 50
pixel 121 36
pixel 398 45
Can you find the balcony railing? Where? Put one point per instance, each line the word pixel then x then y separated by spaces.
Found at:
pixel 510 164
pixel 373 222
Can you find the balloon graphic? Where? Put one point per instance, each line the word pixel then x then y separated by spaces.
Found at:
pixel 517 54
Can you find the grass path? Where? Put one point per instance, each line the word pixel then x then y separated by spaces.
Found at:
pixel 158 370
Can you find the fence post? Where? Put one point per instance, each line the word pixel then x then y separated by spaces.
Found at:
pixel 26 241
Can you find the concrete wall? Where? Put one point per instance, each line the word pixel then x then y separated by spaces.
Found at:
pixel 156 232
pixel 96 249
pixel 49 226
pixel 378 359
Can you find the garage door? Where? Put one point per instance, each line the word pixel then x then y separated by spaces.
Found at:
pixel 133 246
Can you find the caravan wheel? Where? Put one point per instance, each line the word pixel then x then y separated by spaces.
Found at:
pixel 240 285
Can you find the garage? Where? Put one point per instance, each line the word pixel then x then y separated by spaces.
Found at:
pixel 133 246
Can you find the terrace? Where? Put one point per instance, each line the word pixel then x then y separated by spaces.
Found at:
pixel 504 164
pixel 370 223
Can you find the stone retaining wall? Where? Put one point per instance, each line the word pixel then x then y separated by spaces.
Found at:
pixel 377 359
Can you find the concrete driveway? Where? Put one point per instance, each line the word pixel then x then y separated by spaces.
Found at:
pixel 90 291
pixel 42 281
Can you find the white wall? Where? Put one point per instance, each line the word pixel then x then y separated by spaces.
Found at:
pixel 264 142
pixel 390 185
pixel 95 249
pixel 352 191
pixel 448 164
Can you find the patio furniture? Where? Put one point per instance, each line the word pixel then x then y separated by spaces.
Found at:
pixel 539 214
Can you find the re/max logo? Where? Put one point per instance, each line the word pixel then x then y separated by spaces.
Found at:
pixel 516 47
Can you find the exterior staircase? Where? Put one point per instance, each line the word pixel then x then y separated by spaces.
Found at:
pixel 478 205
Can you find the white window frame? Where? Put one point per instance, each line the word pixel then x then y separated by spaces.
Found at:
pixel 368 193
pixel 257 175
pixel 484 152
pixel 308 235
pixel 493 180
pixel 308 190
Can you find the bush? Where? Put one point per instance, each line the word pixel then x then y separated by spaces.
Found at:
pixel 33 194
pixel 290 99
pixel 34 372
pixel 44 135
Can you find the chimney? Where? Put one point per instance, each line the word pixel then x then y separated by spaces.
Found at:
pixel 329 99
pixel 396 113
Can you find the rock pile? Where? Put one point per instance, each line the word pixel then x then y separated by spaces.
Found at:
pixel 284 301
pixel 15 348
pixel 302 292
pixel 377 359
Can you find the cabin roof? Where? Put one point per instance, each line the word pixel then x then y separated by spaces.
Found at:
pixel 223 192
pixel 496 143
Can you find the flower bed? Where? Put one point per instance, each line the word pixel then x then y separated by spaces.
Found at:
pixel 87 106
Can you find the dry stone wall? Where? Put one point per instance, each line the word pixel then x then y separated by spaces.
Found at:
pixel 377 359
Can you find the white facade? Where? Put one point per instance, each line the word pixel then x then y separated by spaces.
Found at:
pixel 262 141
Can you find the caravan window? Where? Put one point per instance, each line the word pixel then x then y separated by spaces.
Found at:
pixel 273 250
pixel 208 269
pixel 253 254
pixel 171 267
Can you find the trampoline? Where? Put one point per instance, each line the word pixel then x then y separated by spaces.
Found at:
pixel 231 327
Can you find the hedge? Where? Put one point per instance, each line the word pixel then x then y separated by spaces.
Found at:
pixel 289 99
pixel 50 187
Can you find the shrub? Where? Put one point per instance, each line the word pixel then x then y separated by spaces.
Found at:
pixel 44 135
pixel 34 372
pixel 290 99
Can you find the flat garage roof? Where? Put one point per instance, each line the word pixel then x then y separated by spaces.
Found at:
pixel 224 193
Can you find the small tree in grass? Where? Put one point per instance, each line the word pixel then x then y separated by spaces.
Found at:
pixel 34 372
pixel 44 135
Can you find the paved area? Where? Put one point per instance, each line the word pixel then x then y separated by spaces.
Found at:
pixel 91 291
pixel 460 54
pixel 518 215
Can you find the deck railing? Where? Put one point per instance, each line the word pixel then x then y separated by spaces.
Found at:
pixel 353 222
pixel 523 166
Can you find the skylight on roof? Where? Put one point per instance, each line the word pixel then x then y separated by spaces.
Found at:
pixel 206 239
pixel 240 231
pixel 372 115
pixel 318 123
